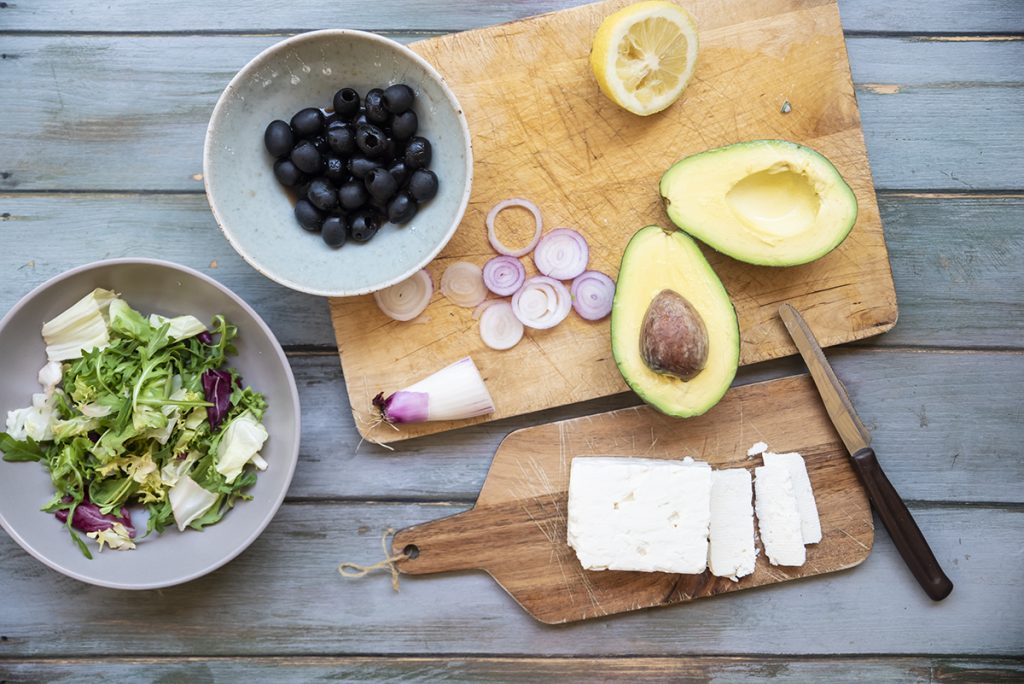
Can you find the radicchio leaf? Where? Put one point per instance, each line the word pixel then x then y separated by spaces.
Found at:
pixel 217 389
pixel 205 337
pixel 88 518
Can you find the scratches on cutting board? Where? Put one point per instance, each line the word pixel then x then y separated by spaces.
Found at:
pixel 855 540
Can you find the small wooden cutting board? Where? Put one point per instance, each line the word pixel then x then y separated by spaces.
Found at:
pixel 542 130
pixel 517 530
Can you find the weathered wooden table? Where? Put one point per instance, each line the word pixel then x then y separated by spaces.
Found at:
pixel 103 108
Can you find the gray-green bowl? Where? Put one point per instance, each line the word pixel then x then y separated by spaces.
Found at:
pixel 150 286
pixel 256 213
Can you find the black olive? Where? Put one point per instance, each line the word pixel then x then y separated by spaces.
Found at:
pixel 404 125
pixel 287 174
pixel 401 208
pixel 359 166
pixel 334 231
pixel 381 184
pixel 371 140
pixel 332 119
pixel 307 158
pixel 353 195
pixel 279 138
pixel 376 112
pixel 361 119
pixel 417 153
pixel 365 225
pixel 335 168
pixel 320 143
pixel 398 98
pixel 309 217
pixel 308 122
pixel 342 139
pixel 302 189
pixel 346 103
pixel 322 194
pixel 398 170
pixel 423 185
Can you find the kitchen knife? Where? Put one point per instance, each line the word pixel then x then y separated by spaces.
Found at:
pixel 905 533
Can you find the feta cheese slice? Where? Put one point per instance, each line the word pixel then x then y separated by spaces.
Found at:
pixel 639 514
pixel 778 516
pixel 810 525
pixel 732 553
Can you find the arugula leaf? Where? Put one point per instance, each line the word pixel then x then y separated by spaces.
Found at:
pixel 20 450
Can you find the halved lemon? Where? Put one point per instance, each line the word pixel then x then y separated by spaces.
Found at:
pixel 644 54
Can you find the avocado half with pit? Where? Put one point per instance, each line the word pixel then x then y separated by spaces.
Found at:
pixel 767 202
pixel 675 337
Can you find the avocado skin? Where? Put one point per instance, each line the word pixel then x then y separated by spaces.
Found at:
pixel 714 233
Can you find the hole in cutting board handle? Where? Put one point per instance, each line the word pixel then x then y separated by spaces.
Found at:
pixel 411 551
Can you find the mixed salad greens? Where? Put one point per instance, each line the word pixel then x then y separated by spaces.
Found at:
pixel 138 411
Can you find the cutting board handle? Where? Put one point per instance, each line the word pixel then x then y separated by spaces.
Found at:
pixel 458 542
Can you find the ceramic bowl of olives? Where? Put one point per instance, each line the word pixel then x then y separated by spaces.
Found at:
pixel 338 162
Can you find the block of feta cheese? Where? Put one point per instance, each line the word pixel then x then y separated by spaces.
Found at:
pixel 639 514
pixel 810 525
pixel 732 552
pixel 778 516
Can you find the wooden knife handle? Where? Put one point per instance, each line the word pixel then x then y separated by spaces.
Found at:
pixel 905 533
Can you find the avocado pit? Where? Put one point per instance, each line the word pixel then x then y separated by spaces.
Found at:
pixel 673 338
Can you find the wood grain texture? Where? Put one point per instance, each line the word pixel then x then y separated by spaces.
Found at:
pixel 283 596
pixel 913 16
pixel 952 437
pixel 594 166
pixel 516 532
pixel 932 110
pixel 957 283
pixel 517 670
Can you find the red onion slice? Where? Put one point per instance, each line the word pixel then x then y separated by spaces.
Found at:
pixel 406 300
pixel 503 275
pixel 592 295
pixel 492 235
pixel 542 303
pixel 499 327
pixel 562 254
pixel 463 284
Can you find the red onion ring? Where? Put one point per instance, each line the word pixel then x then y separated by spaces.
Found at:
pixel 492 235
pixel 542 303
pixel 499 327
pixel 463 284
pixel 406 300
pixel 592 295
pixel 562 254
pixel 503 275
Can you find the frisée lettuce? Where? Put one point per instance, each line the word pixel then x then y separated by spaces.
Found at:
pixel 138 410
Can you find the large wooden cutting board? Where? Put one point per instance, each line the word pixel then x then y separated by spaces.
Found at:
pixel 517 530
pixel 542 130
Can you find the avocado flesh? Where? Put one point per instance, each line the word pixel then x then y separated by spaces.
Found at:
pixel 767 202
pixel 655 261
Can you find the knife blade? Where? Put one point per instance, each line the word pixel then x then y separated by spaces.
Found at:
pixel 837 402
pixel 905 533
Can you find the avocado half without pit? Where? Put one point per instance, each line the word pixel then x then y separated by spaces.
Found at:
pixel 767 202
pixel 675 337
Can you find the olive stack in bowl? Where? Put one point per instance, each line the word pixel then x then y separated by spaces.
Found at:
pixel 355 166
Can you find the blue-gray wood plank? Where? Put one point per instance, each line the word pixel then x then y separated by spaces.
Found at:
pixel 104 108
pixel 130 112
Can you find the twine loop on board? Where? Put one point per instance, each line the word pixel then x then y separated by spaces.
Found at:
pixel 355 570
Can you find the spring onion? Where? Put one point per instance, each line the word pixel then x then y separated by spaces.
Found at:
pixel 562 254
pixel 492 234
pixel 542 303
pixel 463 284
pixel 406 300
pixel 455 392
